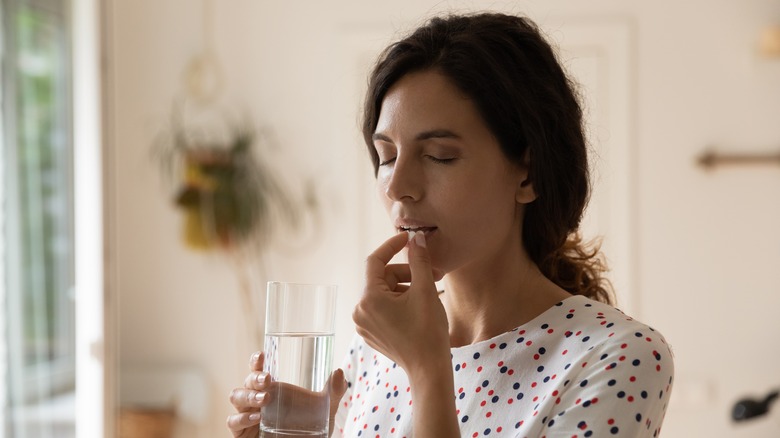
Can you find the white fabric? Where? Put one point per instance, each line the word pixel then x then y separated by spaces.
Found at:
pixel 582 368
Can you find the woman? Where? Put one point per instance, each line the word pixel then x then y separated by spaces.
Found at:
pixel 476 137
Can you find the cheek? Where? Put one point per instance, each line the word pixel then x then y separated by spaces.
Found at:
pixel 489 205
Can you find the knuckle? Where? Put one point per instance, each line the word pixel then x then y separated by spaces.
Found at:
pixel 251 380
pixel 236 395
pixel 234 422
pixel 357 315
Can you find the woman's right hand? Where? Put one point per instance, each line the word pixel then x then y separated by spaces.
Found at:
pixel 248 400
pixel 297 403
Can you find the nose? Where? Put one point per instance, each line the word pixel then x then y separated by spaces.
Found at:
pixel 403 181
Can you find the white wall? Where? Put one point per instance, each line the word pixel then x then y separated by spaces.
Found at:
pixel 706 244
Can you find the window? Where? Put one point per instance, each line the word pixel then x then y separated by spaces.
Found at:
pixel 37 216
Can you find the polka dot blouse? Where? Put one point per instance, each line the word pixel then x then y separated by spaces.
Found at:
pixel 580 369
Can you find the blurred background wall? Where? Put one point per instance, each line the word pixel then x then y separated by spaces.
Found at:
pixel 705 245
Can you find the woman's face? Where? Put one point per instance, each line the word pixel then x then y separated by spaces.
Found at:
pixel 442 171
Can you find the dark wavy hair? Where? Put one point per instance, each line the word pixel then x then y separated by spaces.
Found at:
pixel 505 65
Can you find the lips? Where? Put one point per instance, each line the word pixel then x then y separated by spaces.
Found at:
pixel 410 229
pixel 409 224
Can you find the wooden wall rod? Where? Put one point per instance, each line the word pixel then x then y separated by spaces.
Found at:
pixel 711 159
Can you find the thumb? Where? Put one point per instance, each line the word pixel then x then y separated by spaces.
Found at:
pixel 337 386
pixel 420 260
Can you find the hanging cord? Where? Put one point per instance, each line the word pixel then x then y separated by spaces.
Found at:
pixel 203 76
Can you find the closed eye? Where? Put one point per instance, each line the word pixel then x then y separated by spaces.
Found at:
pixel 440 160
pixel 386 162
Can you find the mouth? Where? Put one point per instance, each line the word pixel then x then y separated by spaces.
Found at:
pixel 426 230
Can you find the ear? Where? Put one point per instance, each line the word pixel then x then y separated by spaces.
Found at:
pixel 525 193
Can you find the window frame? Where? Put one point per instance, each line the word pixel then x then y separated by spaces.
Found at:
pixel 57 376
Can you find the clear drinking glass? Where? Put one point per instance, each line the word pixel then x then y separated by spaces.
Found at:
pixel 298 356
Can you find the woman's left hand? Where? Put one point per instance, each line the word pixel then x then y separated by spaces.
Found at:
pixel 406 323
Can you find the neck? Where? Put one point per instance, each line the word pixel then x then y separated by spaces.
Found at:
pixel 485 301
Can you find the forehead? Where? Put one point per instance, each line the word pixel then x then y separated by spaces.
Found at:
pixel 425 100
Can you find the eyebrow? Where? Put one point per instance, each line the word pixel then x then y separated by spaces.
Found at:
pixel 425 135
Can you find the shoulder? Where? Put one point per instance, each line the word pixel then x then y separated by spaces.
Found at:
pixel 622 345
pixel 625 331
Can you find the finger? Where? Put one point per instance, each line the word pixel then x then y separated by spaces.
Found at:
pixel 420 260
pixel 337 386
pixel 397 273
pixel 239 422
pixel 377 260
pixel 245 400
pixel 256 361
pixel 257 380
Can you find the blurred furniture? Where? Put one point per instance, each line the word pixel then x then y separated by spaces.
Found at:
pixel 155 401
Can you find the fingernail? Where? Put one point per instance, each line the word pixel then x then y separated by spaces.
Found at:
pixel 261 378
pixel 255 357
pixel 254 416
pixel 411 235
pixel 419 239
pixel 259 396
